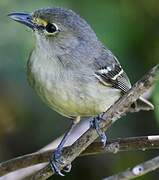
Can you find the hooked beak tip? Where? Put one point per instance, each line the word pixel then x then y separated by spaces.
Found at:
pixel 23 18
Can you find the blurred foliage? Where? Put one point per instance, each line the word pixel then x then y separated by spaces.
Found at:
pixel 130 28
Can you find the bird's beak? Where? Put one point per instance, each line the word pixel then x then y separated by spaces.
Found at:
pixel 23 18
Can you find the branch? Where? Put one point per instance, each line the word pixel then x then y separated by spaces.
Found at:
pixel 114 146
pixel 137 171
pixel 110 116
pixel 142 143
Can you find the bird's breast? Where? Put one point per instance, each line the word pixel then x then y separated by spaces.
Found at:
pixel 66 92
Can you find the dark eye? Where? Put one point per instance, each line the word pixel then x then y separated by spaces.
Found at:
pixel 51 28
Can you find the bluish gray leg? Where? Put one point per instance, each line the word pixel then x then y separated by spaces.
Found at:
pixel 56 161
pixel 95 124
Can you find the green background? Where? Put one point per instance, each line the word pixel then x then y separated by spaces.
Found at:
pixel 130 28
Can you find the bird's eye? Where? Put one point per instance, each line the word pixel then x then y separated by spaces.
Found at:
pixel 51 28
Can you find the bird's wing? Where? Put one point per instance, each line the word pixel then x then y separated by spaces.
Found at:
pixel 110 73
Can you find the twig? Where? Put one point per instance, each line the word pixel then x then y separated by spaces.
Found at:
pixel 109 117
pixel 142 143
pixel 20 174
pixel 114 146
pixel 136 171
pixel 23 173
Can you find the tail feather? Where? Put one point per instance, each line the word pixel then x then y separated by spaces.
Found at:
pixel 142 104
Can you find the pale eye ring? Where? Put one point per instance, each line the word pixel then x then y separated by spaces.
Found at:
pixel 51 28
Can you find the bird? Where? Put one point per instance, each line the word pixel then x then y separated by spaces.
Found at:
pixel 72 71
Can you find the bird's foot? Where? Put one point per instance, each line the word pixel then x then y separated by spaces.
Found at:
pixel 56 162
pixel 95 124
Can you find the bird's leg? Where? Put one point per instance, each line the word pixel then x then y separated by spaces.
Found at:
pixel 94 123
pixel 56 160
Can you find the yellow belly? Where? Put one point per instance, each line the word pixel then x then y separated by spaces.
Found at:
pixel 74 101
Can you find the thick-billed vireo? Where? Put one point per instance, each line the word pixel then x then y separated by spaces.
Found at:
pixel 71 70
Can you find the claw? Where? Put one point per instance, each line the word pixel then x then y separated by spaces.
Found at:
pixel 55 168
pixel 95 124
pixel 103 138
pixel 56 162
pixel 67 168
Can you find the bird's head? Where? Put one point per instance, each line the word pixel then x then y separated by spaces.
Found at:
pixel 58 26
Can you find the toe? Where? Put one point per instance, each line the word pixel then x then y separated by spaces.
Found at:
pixel 103 139
pixel 67 168
pixel 55 168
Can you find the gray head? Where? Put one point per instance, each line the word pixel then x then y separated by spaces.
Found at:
pixel 58 26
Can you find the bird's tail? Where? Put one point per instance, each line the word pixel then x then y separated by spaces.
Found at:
pixel 142 104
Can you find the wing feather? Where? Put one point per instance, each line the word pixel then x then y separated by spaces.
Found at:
pixel 111 73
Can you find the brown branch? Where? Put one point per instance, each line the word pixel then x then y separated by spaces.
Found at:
pixel 114 146
pixel 110 116
pixel 137 171
pixel 28 160
pixel 142 143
